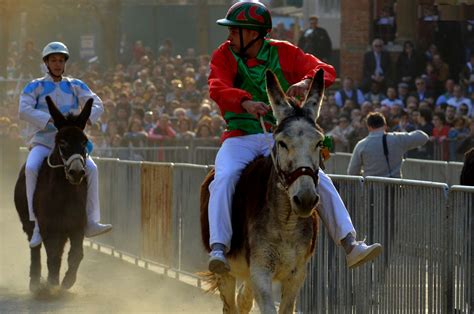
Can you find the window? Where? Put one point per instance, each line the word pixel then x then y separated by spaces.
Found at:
pixel 329 7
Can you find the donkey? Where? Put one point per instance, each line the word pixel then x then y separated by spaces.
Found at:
pixel 274 220
pixel 59 200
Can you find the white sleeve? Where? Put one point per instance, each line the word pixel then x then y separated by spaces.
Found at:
pixel 83 94
pixel 414 139
pixel 27 111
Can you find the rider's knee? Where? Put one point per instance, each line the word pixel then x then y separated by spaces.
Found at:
pixel 32 168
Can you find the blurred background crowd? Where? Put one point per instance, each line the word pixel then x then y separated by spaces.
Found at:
pixel 160 97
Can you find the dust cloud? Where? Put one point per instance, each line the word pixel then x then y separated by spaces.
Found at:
pixel 104 284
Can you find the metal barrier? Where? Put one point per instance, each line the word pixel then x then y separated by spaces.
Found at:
pixel 329 285
pixel 427 170
pixel 425 266
pixel 408 218
pixel 186 200
pixel 453 172
pixel 413 169
pixel 121 203
pixel 426 231
pixel 154 154
pixel 461 254
pixel 205 155
pixel 446 150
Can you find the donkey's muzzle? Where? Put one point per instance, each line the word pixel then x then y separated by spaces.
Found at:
pixel 75 169
pixel 76 176
pixel 304 203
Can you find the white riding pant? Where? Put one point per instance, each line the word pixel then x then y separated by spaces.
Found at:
pixel 33 164
pixel 233 156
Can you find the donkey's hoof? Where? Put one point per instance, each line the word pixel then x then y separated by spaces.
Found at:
pixel 68 281
pixel 35 285
pixel 54 290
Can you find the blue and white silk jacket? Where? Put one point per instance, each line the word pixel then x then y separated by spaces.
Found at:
pixel 69 95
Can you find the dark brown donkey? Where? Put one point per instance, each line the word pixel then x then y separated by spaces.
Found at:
pixel 274 221
pixel 59 201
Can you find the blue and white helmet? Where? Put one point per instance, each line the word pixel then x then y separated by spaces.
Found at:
pixel 55 47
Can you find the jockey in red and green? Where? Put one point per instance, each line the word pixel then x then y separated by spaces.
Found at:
pixel 237 84
pixel 246 80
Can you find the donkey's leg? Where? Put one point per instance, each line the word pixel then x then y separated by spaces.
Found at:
pixel 290 288
pixel 245 298
pixel 54 244
pixel 261 279
pixel 76 253
pixel 226 286
pixel 35 268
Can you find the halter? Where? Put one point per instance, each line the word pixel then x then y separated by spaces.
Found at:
pixel 66 162
pixel 285 178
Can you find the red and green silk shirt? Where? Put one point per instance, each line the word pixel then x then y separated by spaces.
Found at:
pixel 232 81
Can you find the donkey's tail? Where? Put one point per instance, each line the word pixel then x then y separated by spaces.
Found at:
pixel 210 280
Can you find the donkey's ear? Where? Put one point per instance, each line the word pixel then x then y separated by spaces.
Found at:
pixel 276 96
pixel 314 98
pixel 85 113
pixel 58 118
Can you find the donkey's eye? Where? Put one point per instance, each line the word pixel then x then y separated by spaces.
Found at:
pixel 320 144
pixel 282 145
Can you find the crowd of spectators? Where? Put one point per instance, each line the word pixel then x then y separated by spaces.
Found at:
pixel 417 91
pixel 158 99
pixel 152 100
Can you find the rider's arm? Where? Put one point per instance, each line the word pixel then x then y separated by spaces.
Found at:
pixel 83 93
pixel 27 111
pixel 221 81
pixel 298 65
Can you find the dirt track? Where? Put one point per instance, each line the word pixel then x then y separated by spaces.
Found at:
pixel 104 285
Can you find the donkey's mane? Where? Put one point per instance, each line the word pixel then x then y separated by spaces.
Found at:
pixel 297 113
pixel 72 118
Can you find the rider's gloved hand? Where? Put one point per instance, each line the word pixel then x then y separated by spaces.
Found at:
pixel 298 90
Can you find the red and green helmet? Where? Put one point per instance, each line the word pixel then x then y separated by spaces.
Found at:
pixel 246 14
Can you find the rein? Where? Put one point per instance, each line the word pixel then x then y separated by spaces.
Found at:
pixel 286 179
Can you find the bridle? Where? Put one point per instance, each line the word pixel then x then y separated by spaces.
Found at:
pixel 287 178
pixel 66 162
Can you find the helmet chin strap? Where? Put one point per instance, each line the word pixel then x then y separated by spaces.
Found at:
pixel 242 52
pixel 53 75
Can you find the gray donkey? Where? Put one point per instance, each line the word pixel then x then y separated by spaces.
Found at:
pixel 274 220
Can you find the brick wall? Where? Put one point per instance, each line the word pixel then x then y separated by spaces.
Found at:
pixel 356 19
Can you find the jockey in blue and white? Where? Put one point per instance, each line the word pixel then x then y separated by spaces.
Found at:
pixel 69 95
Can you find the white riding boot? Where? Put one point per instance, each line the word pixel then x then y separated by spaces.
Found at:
pixel 36 237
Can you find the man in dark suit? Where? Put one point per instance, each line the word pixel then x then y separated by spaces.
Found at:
pixel 421 93
pixel 315 40
pixel 377 66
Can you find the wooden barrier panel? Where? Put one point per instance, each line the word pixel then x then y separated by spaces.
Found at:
pixel 157 222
